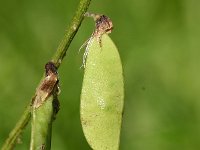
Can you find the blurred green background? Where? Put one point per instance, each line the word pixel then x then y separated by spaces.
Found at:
pixel 159 44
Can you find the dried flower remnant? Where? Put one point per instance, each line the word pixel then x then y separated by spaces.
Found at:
pixel 103 25
pixel 47 86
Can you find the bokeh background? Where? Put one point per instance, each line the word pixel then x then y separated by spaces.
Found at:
pixel 159 44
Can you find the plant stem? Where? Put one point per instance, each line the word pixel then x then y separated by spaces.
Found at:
pixel 69 35
pixel 57 59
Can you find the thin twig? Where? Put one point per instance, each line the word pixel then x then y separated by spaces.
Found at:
pixel 57 59
pixel 69 35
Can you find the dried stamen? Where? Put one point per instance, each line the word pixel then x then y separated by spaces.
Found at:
pixel 103 24
pixel 47 86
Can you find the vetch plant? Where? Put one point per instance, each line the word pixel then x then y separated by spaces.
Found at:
pixel 102 94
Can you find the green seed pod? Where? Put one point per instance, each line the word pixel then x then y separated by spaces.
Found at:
pixel 102 95
pixel 44 108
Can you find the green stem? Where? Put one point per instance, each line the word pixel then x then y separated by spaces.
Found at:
pixel 69 35
pixel 57 59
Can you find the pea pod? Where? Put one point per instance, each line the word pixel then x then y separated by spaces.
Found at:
pixel 102 95
pixel 44 108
